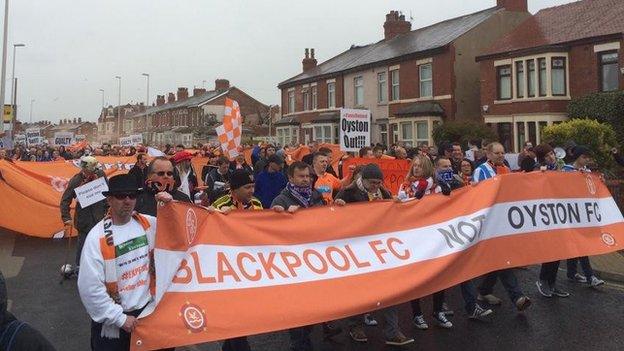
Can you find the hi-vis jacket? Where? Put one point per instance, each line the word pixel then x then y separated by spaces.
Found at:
pixel 116 278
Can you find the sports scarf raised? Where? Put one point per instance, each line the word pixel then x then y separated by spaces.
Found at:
pixel 302 193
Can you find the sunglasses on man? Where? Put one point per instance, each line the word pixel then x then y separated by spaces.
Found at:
pixel 130 196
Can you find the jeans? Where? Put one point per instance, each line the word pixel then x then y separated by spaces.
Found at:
pixel 391 319
pixel 508 278
pixel 469 294
pixel 548 272
pixel 438 300
pixel 585 265
pixel 236 344
pixel 300 338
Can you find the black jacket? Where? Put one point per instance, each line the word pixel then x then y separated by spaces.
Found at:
pixel 84 218
pixel 353 194
pixel 140 175
pixel 286 199
pixel 146 201
pixel 212 177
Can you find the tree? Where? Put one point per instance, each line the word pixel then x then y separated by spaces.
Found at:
pixel 599 137
pixel 462 132
pixel 603 107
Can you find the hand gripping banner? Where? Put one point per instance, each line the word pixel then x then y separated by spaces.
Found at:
pixel 217 275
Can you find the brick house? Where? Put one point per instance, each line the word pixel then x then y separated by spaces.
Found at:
pixel 184 119
pixel 529 76
pixel 107 124
pixel 410 80
pixel 81 129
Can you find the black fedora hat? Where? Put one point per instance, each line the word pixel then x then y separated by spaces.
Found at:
pixel 122 184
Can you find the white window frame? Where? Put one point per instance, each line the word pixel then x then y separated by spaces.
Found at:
pixel 395 92
pixel 423 81
pixel 331 95
pixel 314 92
pixel 306 99
pixel 291 101
pixel 358 86
pixel 382 87
pixel 323 138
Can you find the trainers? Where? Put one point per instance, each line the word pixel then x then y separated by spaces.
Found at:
pixel 544 288
pixel 490 299
pixel 399 340
pixel 420 323
pixel 358 334
pixel 330 330
pixel 579 278
pixel 446 310
pixel 479 312
pixel 595 281
pixel 559 293
pixel 369 320
pixel 441 320
pixel 522 303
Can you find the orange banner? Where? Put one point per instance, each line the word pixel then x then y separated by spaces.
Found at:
pixel 218 275
pixel 298 153
pixel 394 171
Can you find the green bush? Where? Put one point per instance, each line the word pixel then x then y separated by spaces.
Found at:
pixel 599 137
pixel 462 132
pixel 603 107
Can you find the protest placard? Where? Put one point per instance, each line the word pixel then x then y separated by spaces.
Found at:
pixel 137 139
pixel 32 136
pixel 394 171
pixel 354 129
pixel 63 138
pixel 91 192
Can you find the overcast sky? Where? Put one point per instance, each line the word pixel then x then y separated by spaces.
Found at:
pixel 75 48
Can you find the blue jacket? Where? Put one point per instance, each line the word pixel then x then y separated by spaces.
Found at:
pixel 268 186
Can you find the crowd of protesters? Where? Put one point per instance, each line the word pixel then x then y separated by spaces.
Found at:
pixel 268 182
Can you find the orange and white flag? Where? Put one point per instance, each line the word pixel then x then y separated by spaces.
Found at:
pixel 217 275
pixel 229 133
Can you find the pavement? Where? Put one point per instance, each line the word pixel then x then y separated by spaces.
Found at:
pixel 610 266
pixel 589 319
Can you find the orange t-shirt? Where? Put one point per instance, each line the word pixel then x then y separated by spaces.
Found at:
pixel 326 184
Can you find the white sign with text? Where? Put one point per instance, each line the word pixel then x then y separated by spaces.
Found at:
pixel 63 138
pixel 91 192
pixel 355 129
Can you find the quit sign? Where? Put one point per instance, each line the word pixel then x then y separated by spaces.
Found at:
pixel 354 129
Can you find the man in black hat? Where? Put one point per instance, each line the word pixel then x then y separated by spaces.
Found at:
pixel 240 198
pixel 369 187
pixel 120 243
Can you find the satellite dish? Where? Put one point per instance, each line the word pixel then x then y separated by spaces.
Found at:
pixel 560 153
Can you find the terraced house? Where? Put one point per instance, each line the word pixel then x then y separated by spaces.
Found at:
pixel 410 80
pixel 529 76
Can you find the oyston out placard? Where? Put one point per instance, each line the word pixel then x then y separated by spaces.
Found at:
pixel 354 129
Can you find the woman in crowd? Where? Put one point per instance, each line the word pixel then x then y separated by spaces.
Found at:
pixel 467 167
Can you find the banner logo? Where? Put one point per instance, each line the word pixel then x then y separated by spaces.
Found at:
pixel 191 225
pixel 59 184
pixel 193 317
pixel 608 239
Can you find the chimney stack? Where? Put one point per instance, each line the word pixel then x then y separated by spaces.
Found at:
pixel 222 84
pixel 182 94
pixel 79 120
pixel 75 121
pixel 60 121
pixel 396 25
pixel 513 5
pixel 308 62
pixel 160 100
pixel 170 98
pixel 198 91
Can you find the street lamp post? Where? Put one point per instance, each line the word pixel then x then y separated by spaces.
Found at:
pixel 147 117
pixel 119 109
pixel 13 85
pixel 4 54
pixel 31 109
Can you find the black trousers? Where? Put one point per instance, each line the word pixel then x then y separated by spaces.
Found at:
pixel 99 343
pixel 438 300
pixel 548 272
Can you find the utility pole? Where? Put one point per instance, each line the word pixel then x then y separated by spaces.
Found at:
pixel 147 117
pixel 119 110
pixel 14 83
pixel 102 91
pixel 4 55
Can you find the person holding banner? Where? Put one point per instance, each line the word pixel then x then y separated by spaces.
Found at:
pixel 159 179
pixel 239 198
pixel 324 182
pixel 84 218
pixel 368 187
pixel 581 156
pixel 495 153
pixel 116 280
